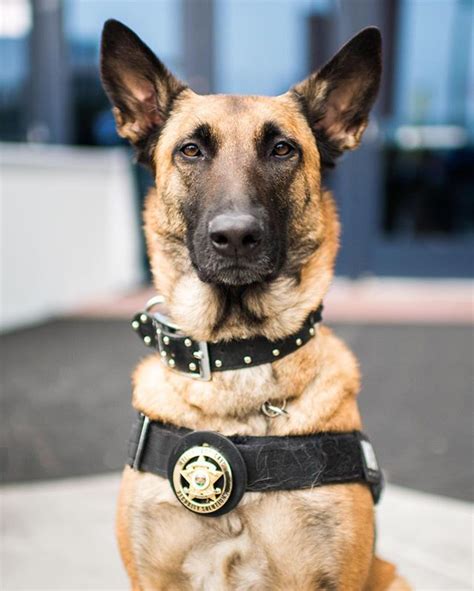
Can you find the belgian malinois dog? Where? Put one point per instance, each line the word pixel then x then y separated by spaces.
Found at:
pixel 242 239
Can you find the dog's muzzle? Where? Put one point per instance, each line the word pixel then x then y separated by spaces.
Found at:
pixel 236 247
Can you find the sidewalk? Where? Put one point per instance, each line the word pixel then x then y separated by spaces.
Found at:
pixel 60 536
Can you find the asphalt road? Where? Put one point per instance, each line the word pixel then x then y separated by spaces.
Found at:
pixel 66 400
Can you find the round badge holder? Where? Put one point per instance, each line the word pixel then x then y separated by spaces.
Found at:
pixel 207 473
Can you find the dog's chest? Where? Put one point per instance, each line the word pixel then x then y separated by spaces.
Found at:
pixel 280 540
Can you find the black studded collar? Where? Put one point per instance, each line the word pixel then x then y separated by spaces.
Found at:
pixel 199 359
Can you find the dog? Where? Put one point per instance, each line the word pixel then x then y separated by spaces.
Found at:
pixel 242 239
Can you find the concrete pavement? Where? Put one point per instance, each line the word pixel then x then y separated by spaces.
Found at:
pixel 59 536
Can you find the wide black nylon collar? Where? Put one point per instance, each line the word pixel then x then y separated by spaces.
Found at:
pixel 198 359
pixel 269 462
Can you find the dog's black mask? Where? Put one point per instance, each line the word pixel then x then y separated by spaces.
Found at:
pixel 237 214
pixel 238 246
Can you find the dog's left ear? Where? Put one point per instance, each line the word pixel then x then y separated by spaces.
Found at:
pixel 337 99
pixel 137 83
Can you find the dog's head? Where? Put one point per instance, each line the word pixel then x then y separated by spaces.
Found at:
pixel 238 205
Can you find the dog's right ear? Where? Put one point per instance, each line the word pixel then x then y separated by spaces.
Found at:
pixel 338 98
pixel 138 85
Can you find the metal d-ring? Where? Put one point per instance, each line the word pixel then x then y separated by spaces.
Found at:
pixel 272 411
pixel 154 301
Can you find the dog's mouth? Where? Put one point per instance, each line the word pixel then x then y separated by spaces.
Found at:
pixel 235 274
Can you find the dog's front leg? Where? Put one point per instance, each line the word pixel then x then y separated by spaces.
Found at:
pixel 383 577
pixel 122 530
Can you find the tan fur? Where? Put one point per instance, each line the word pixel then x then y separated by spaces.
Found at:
pixel 300 540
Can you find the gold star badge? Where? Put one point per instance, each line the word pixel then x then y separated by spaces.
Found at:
pixel 202 479
pixel 201 476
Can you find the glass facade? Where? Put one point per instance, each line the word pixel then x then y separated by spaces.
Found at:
pixel 429 178
pixel 15 26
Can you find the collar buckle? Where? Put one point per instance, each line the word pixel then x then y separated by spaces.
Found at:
pixel 201 356
pixel 199 369
pixel 203 362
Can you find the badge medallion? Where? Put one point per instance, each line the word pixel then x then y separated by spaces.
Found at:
pixel 202 479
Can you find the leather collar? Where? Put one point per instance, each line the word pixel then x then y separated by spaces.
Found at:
pixel 199 359
pixel 209 473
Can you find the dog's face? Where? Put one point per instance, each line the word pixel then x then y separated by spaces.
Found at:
pixel 235 172
pixel 238 179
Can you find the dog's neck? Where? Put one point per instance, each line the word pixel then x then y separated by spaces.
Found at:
pixel 274 310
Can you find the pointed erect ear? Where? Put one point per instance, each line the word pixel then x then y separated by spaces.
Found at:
pixel 136 82
pixel 338 98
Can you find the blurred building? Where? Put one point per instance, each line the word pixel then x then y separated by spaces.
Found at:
pixel 405 198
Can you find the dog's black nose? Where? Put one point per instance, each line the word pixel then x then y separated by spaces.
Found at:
pixel 234 234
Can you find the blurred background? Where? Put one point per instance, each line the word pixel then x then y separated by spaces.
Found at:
pixel 74 268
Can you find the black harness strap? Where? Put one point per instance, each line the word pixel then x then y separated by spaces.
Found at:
pixel 272 462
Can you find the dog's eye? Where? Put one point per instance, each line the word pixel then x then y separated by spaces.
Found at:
pixel 282 149
pixel 191 151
